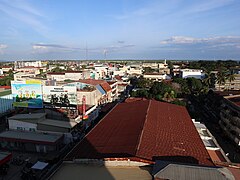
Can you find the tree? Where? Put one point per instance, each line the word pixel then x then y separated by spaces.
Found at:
pixel 230 78
pixel 195 85
pixel 221 78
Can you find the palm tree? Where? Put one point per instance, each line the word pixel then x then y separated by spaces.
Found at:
pixel 221 78
pixel 230 78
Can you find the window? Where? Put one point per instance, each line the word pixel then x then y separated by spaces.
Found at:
pixel 32 129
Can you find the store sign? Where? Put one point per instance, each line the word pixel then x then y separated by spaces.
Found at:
pixel 60 95
pixel 27 94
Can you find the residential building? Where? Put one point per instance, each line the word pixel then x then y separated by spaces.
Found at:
pixel 196 73
pixel 230 117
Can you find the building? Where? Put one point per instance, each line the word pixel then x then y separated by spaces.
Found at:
pixel 156 76
pixel 196 73
pixel 230 117
pixel 6 99
pixel 1 72
pixel 67 75
pixel 214 150
pixel 6 68
pixel 131 138
pixel 20 64
pixel 144 131
pixel 233 85
pixel 31 141
pixel 167 170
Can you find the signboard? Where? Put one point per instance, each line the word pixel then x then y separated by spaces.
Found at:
pixel 27 94
pixel 56 95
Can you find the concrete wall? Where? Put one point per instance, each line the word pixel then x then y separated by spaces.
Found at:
pixel 6 103
pixel 20 125
pixel 44 127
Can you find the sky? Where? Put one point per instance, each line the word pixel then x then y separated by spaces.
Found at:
pixel 119 29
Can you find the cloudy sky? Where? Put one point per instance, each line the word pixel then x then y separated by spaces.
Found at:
pixel 119 29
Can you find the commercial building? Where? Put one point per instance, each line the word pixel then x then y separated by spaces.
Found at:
pixel 144 131
pixel 196 73
pixel 31 141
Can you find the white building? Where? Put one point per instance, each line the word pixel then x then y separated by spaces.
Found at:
pixel 187 73
pixel 156 76
pixel 1 72
pixel 20 64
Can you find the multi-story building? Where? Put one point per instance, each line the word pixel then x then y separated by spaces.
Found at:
pixel 20 64
pixel 230 117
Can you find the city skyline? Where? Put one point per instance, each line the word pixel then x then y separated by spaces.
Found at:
pixel 175 29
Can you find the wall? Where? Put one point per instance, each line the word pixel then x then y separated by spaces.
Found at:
pixel 6 103
pixel 44 127
pixel 14 124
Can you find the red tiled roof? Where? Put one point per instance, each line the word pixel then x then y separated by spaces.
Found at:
pixel 94 82
pixel 144 129
pixel 106 87
pixel 216 156
pixel 111 82
pixel 56 73
pixel 5 87
pixel 91 81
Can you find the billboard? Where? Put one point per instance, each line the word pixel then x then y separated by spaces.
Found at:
pixel 60 95
pixel 27 94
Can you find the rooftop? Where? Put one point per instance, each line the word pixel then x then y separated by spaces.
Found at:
pixel 166 170
pixel 145 129
pixel 86 172
pixel 27 136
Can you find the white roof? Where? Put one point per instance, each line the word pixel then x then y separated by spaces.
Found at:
pixel 39 165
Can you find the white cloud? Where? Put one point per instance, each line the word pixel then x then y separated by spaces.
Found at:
pixel 2 48
pixel 212 41
pixel 25 13
pixel 49 48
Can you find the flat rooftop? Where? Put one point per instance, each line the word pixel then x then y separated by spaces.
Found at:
pixel 86 172
pixel 28 116
pixel 58 123
pixel 29 137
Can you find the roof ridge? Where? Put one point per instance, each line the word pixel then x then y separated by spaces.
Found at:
pixel 140 138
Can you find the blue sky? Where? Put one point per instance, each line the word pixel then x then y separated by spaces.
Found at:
pixel 120 29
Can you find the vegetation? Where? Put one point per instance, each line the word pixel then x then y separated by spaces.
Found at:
pixel 6 81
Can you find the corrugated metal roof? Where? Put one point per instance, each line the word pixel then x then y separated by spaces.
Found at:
pixel 145 129
pixel 183 172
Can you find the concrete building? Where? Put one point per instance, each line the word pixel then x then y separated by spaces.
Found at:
pixel 20 64
pixel 196 73
pixel 31 141
pixel 156 76
pixel 68 75
pixel 1 71
pixel 230 117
